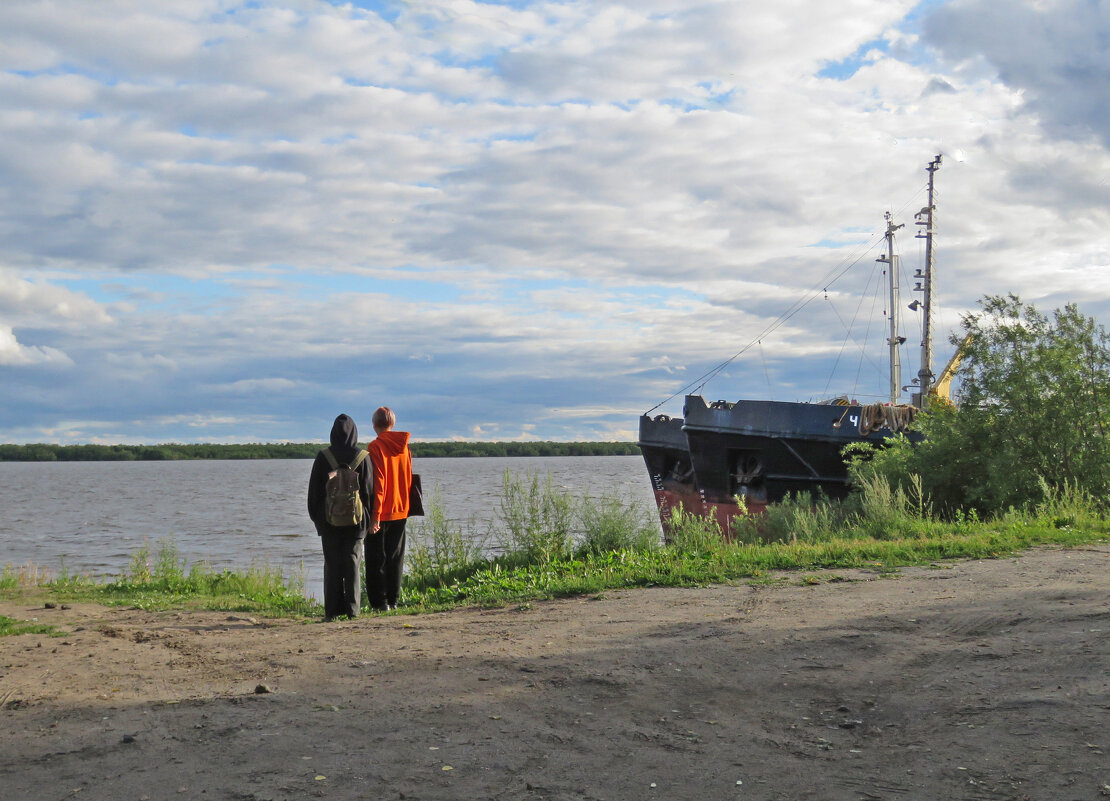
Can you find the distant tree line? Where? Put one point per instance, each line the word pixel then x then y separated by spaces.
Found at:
pixel 44 452
pixel 431 449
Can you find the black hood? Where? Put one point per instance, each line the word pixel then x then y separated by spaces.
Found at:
pixel 344 438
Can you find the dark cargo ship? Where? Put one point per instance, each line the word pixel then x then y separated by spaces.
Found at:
pixel 727 458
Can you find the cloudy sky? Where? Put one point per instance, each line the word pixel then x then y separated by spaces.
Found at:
pixel 229 221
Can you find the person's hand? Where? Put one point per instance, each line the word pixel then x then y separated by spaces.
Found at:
pixel 375 526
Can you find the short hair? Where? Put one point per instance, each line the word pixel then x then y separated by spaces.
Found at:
pixel 384 418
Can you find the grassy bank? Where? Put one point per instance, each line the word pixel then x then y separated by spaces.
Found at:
pixel 556 548
pixel 548 544
pixel 162 579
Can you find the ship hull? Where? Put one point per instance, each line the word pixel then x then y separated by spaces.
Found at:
pixel 756 451
pixel 667 457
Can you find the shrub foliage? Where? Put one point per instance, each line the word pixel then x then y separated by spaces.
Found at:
pixel 1033 416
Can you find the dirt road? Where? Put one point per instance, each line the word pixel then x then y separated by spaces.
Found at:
pixel 970 680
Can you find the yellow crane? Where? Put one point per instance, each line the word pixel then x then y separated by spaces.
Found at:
pixel 942 387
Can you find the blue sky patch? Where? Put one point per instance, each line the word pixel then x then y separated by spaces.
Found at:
pixel 845 68
pixel 321 286
pixel 151 291
pixel 389 10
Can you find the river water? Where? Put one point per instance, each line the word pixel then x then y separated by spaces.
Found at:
pixel 90 517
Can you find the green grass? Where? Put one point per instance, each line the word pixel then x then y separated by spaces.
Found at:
pixel 496 584
pixel 553 545
pixel 10 626
pixel 161 579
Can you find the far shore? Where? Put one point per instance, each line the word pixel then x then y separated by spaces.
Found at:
pixel 173 451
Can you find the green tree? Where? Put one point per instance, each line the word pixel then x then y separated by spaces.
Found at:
pixel 1034 411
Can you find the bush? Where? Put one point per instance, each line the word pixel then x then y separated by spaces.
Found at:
pixel 799 517
pixel 610 524
pixel 441 551
pixel 1033 419
pixel 694 535
pixel 536 519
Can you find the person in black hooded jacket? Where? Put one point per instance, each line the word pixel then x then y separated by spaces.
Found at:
pixel 342 544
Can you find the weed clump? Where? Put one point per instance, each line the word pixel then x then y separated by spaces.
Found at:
pixel 536 519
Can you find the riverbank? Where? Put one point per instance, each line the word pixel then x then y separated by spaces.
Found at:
pixel 979 679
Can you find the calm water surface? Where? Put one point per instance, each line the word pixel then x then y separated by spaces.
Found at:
pixel 92 516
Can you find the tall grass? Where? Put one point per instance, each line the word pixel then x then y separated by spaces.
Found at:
pixel 156 578
pixel 694 535
pixel 536 524
pixel 610 523
pixel 160 577
pixel 536 519
pixel 1068 505
pixel 876 511
pixel 441 551
pixel 614 544
pixel 23 577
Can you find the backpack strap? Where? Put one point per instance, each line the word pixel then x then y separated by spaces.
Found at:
pixel 359 457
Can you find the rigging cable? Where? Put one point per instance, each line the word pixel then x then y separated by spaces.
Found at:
pixel 875 300
pixel 833 276
pixel 843 345
pixel 766 373
pixel 837 273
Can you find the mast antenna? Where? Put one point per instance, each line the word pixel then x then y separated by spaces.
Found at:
pixel 925 217
pixel 894 340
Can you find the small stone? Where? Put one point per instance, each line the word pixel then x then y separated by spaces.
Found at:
pixel 49 605
pixel 129 738
pixel 262 689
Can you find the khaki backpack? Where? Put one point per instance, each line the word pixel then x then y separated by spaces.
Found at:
pixel 343 504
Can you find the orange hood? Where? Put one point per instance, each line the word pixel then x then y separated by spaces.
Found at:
pixel 394 442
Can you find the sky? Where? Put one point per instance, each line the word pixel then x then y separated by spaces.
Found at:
pixel 226 221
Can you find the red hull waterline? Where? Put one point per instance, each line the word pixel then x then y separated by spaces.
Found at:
pixel 724 512
pixel 692 502
pixel 668 500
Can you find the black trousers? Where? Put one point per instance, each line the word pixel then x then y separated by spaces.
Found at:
pixel 385 563
pixel 342 587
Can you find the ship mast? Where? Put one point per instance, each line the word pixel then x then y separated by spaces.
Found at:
pixel 894 340
pixel 925 217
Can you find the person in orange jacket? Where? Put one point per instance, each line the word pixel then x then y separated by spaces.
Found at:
pixel 391 465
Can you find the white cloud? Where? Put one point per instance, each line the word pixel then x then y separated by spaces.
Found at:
pixel 249 213
pixel 15 354
pixel 47 305
pixel 1054 52
pixel 254 385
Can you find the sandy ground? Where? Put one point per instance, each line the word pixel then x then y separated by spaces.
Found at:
pixel 972 680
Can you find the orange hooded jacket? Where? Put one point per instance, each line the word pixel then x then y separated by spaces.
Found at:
pixel 392 464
